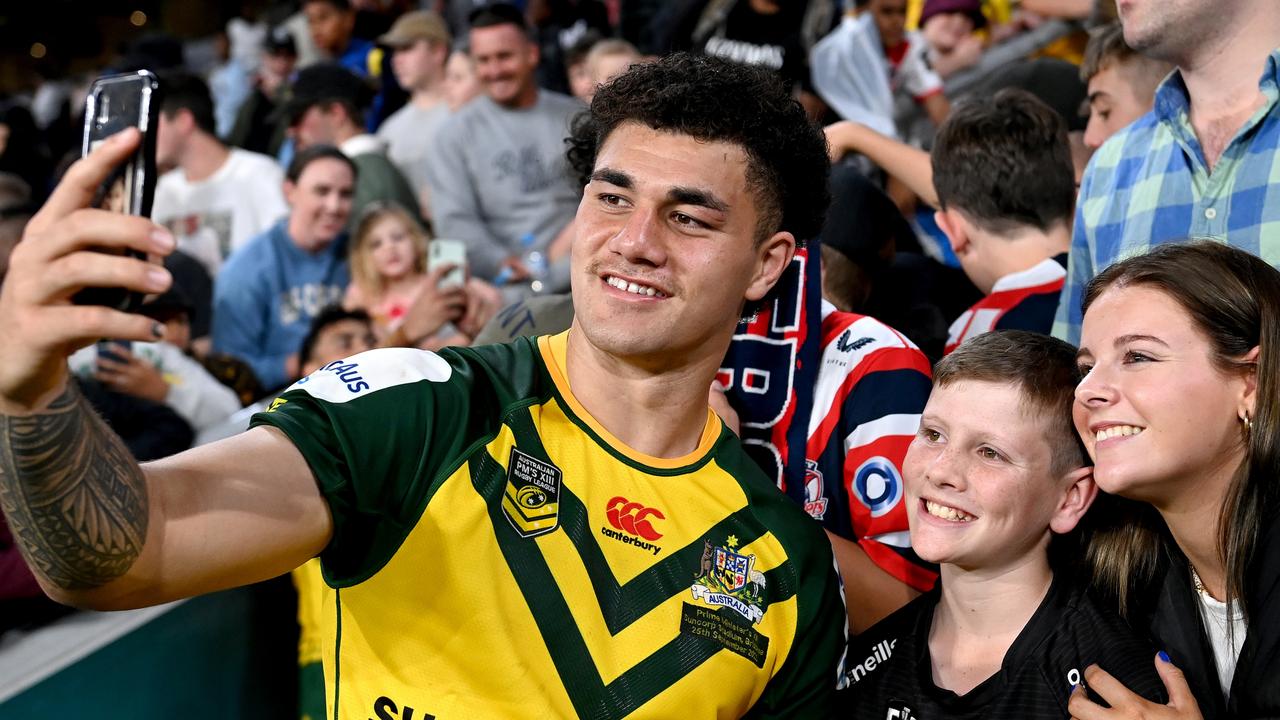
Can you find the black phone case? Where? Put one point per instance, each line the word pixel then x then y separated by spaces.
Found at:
pixel 115 103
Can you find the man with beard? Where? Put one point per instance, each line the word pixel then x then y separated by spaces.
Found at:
pixel 1203 162
pixel 496 170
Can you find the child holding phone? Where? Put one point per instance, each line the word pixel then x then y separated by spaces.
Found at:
pixel 389 275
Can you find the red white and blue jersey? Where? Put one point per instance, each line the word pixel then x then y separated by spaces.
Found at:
pixel 873 384
pixel 1024 300
pixel 827 404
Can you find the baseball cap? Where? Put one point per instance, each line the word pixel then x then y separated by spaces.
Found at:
pixel 279 41
pixel 322 83
pixel 972 8
pixel 411 27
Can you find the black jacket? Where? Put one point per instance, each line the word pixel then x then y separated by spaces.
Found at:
pixel 1174 620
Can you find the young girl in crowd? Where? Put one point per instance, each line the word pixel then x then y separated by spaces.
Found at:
pixel 1179 407
pixel 389 275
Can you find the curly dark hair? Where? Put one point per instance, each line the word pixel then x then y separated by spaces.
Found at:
pixel 715 100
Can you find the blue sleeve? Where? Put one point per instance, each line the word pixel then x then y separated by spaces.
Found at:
pixel 240 311
pixel 1066 323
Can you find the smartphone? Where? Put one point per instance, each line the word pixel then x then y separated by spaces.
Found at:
pixel 115 103
pixel 110 349
pixel 448 252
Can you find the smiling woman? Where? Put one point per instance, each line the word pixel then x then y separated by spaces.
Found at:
pixel 319 194
pixel 1181 350
pixel 268 292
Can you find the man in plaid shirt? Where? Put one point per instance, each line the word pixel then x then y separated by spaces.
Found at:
pixel 1204 162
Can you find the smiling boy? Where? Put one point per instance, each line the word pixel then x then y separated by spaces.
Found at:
pixel 995 477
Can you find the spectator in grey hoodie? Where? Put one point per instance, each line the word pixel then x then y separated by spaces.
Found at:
pixel 497 171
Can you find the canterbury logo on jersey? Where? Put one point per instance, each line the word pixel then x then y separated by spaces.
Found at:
pixel 635 521
pixel 633 518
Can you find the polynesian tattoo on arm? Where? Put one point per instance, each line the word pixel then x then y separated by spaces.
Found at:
pixel 74 497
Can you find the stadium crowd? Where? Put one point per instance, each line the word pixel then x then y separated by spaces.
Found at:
pixel 980 293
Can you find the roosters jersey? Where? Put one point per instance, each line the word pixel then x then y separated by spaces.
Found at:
pixel 1024 300
pixel 497 553
pixel 872 385
pixel 828 402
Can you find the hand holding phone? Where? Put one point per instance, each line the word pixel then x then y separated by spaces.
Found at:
pixel 111 350
pixel 55 260
pixel 443 297
pixel 115 103
pixel 448 252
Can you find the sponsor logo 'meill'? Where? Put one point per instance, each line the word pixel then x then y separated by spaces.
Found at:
pixel 632 524
pixel 880 654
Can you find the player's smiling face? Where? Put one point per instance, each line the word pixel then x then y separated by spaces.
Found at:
pixel 978 475
pixel 665 251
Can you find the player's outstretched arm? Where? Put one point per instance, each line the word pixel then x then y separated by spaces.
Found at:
pixel 97 529
pixel 102 532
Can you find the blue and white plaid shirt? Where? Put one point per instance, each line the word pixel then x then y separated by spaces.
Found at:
pixel 1149 184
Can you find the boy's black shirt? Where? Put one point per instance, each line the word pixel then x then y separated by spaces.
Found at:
pixel 889 675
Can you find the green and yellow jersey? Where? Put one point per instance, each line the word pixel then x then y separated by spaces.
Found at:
pixel 498 554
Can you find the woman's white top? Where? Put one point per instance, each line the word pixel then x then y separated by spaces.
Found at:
pixel 1226 645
